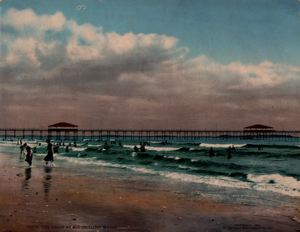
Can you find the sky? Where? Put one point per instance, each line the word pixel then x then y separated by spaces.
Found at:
pixel 172 64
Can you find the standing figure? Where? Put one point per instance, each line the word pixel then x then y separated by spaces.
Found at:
pixel 28 155
pixel 135 149
pixel 105 146
pixel 142 148
pixel 49 156
pixel 211 152
pixel 22 150
pixel 233 148
pixel 229 151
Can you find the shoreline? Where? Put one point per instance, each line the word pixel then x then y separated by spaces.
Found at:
pixel 60 199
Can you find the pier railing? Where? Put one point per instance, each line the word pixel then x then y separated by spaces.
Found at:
pixel 145 134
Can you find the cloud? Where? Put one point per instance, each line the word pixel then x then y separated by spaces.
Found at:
pixel 54 68
pixel 83 42
pixel 28 19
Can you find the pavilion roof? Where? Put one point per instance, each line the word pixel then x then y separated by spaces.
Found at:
pixel 258 126
pixel 63 124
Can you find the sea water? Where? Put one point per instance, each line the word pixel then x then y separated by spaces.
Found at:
pixel 264 166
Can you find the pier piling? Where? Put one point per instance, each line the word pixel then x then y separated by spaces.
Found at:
pixel 148 135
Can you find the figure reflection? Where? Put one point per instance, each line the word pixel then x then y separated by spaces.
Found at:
pixel 47 181
pixel 25 183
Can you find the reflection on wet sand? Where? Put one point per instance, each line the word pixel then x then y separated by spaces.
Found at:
pixel 25 183
pixel 47 181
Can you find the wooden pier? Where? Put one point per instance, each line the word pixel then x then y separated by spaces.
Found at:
pixel 146 135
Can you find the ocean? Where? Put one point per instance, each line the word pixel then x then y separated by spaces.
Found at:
pixel 263 166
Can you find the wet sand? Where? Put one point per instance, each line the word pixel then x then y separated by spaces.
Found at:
pixel 58 199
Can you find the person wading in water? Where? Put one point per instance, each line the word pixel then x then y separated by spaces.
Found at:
pixel 22 150
pixel 49 156
pixel 28 155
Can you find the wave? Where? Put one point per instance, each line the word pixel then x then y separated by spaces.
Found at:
pixel 266 183
pixel 190 161
pixel 221 145
pixel 239 175
pixel 180 149
pixel 280 146
pixel 297 156
pixel 152 148
pixel 292 174
pixel 208 163
pixel 220 181
pixel 177 164
pixel 276 183
pixel 95 161
pixel 79 148
pixel 209 172
pixel 184 149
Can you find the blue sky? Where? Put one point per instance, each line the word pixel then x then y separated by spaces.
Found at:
pixel 150 63
pixel 249 31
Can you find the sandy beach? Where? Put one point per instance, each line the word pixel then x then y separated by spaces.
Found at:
pixel 65 199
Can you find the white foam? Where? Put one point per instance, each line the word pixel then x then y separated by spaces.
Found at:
pixel 9 144
pixel 78 148
pixel 162 148
pixel 152 148
pixel 128 146
pixel 93 161
pixel 221 145
pixel 40 154
pixel 94 146
pixel 282 184
pixel 276 183
pixel 142 170
pixel 87 161
pixel 133 154
pixel 184 167
pixel 172 157
pixel 217 181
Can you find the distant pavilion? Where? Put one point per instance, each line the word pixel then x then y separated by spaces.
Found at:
pixel 258 128
pixel 258 131
pixel 62 128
